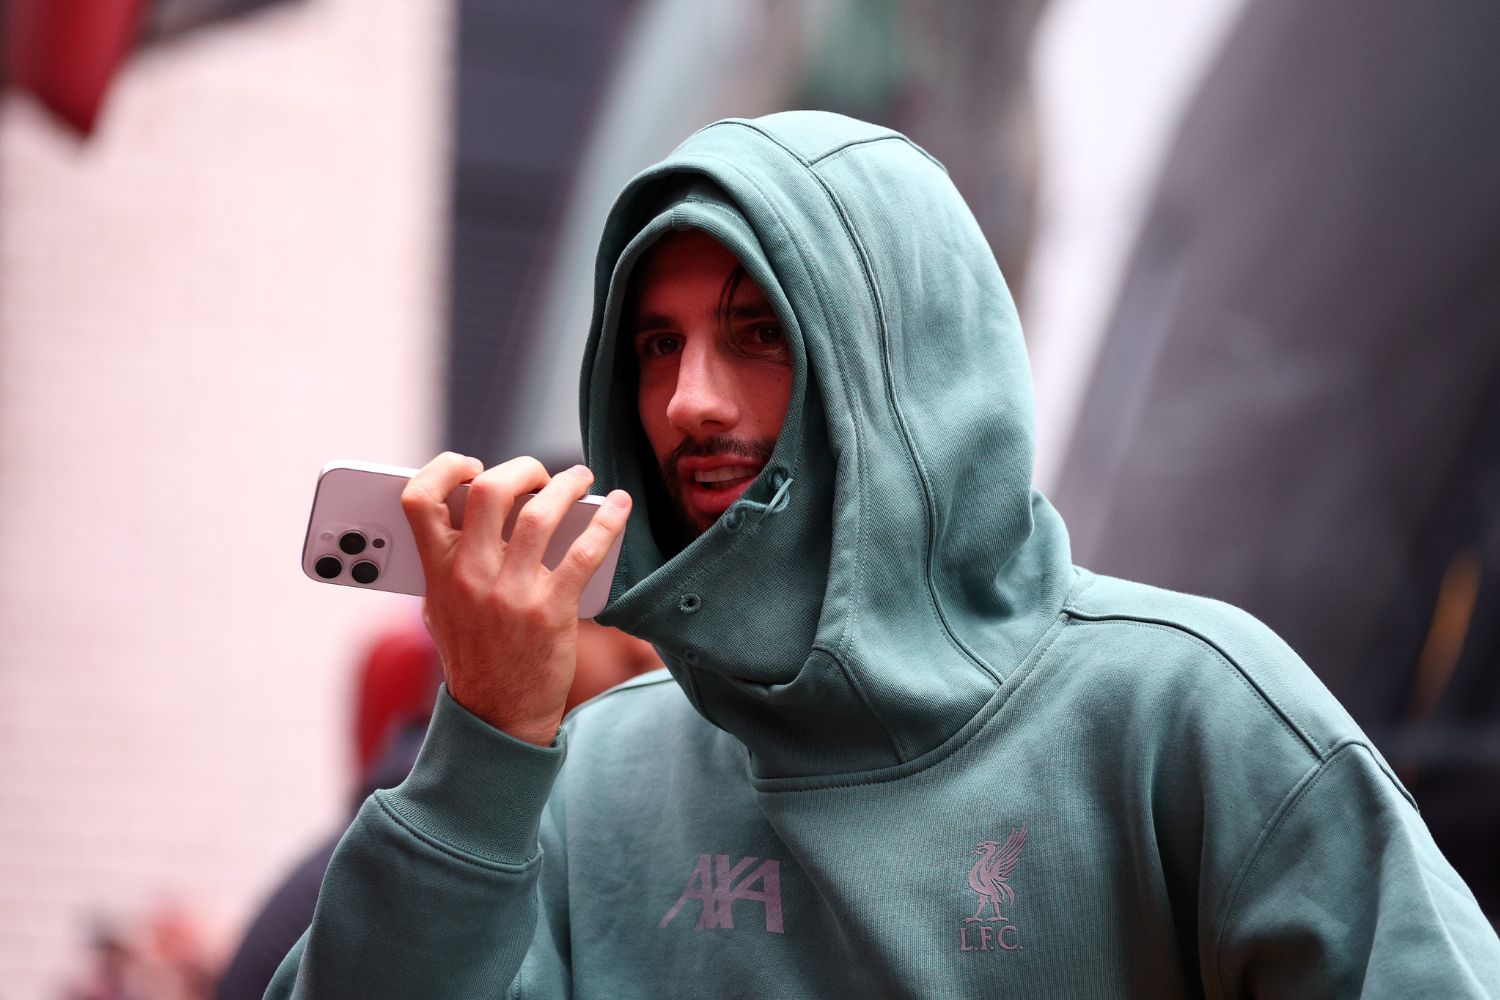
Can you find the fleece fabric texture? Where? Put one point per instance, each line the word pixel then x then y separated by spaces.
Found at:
pixel 905 748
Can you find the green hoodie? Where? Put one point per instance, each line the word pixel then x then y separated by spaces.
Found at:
pixel 905 748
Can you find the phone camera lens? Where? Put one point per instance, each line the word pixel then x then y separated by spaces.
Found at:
pixel 364 572
pixel 352 542
pixel 328 567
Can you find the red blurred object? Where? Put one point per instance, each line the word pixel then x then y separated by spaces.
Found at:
pixel 66 52
pixel 398 682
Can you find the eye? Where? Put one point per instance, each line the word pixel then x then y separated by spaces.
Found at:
pixel 762 340
pixel 657 345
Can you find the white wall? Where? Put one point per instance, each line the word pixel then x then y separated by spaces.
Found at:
pixel 237 278
pixel 1111 82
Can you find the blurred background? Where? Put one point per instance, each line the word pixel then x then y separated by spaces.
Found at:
pixel 1255 244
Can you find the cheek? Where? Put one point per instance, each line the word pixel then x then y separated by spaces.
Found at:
pixel 652 398
pixel 772 392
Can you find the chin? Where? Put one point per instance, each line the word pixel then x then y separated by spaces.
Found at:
pixel 690 524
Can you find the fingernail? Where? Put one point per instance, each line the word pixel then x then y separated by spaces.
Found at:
pixel 584 469
pixel 619 498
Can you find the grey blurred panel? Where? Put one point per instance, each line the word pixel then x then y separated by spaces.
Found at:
pixel 1297 406
pixel 955 77
pixel 528 80
pixel 1307 334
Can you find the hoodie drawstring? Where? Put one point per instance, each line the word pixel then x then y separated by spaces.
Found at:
pixel 778 502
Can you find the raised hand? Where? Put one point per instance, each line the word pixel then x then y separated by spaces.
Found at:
pixel 505 625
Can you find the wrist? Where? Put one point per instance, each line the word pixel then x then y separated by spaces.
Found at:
pixel 536 728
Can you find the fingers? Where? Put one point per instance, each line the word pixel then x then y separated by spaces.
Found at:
pixel 588 551
pixel 492 494
pixel 422 500
pixel 538 520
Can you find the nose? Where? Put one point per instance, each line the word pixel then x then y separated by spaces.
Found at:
pixel 704 400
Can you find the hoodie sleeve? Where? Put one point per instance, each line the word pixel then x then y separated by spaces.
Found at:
pixel 1347 895
pixel 433 890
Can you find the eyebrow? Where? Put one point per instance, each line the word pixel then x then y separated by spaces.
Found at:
pixel 753 312
pixel 649 322
pixel 646 322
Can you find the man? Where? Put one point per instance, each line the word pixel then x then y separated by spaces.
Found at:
pixel 909 750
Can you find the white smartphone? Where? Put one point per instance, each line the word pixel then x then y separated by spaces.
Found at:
pixel 357 535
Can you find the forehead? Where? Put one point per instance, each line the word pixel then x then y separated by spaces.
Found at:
pixel 682 268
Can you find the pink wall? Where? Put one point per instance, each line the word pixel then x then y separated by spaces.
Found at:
pixel 236 279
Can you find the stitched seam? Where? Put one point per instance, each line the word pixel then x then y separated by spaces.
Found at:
pixel 946 628
pixel 1281 719
pixel 751 126
pixel 900 772
pixel 1289 805
pixel 1174 628
pixel 1267 831
pixel 859 692
pixel 852 144
pixel 929 501
pixel 429 838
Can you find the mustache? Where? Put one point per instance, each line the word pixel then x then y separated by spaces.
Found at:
pixel 717 446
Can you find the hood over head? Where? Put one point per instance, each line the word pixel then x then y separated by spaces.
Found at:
pixel 891 565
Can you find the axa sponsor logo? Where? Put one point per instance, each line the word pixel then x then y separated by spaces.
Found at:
pixel 990 878
pixel 717 885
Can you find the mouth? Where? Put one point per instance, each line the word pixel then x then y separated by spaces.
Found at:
pixel 724 478
pixel 711 485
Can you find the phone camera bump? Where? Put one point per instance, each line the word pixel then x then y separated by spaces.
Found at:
pixel 328 567
pixel 352 542
pixel 365 572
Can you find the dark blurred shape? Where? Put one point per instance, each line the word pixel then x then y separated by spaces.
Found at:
pixel 158 956
pixel 1297 406
pixel 398 678
pixel 528 80
pixel 398 681
pixel 288 910
pixel 955 77
pixel 66 52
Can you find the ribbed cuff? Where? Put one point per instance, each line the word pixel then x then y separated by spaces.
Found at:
pixel 475 789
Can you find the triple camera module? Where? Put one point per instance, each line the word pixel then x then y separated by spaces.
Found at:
pixel 351 543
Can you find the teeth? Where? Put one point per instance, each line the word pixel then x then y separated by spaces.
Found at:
pixel 725 474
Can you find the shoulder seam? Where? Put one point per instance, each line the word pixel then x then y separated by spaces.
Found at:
pixel 1272 824
pixel 1175 627
pixel 1294 798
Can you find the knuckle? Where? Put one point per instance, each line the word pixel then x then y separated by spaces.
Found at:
pixel 536 616
pixel 585 554
pixel 469 586
pixel 531 521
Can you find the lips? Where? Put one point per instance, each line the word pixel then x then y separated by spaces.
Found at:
pixel 728 474
pixel 710 484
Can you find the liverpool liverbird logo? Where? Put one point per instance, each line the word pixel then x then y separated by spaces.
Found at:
pixel 990 872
